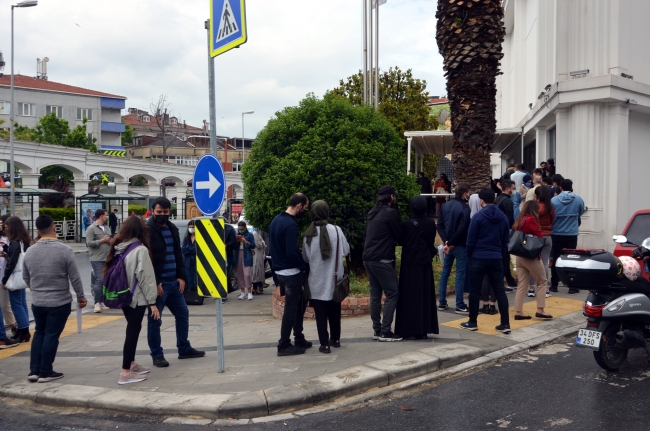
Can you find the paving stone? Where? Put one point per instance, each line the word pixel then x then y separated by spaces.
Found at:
pixel 453 354
pixel 26 390
pixel 346 382
pixel 196 404
pixel 69 395
pixel 245 405
pixel 125 400
pixel 282 399
pixel 406 366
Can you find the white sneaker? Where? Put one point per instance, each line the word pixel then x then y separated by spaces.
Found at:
pixel 242 296
pixel 130 378
pixel 98 307
pixel 531 293
pixel 548 293
pixel 250 296
pixel 104 307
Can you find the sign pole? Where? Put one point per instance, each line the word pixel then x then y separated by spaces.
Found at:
pixel 221 360
pixel 213 114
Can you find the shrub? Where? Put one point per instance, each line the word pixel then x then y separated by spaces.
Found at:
pixel 139 209
pixel 58 214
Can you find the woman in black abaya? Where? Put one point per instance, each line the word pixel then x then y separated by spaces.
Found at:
pixel 416 308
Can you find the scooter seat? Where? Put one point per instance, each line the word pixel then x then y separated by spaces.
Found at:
pixel 640 285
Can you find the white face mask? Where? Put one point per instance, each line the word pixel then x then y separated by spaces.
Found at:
pixel 190 230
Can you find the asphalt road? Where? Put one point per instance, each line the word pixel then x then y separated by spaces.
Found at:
pixel 557 387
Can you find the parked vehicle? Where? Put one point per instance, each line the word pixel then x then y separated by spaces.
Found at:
pixel 618 305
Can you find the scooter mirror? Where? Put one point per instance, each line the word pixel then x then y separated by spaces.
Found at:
pixel 620 239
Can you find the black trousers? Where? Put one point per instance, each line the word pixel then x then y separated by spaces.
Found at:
pixel 113 229
pixel 133 326
pixel 294 309
pixel 327 311
pixel 560 242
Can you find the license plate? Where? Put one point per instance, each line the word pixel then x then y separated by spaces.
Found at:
pixel 587 338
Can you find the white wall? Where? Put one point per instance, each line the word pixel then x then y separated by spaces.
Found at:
pixel 639 161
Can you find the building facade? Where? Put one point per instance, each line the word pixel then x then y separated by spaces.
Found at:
pixel 34 98
pixel 576 81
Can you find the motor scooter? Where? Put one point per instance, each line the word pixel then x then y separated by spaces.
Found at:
pixel 617 309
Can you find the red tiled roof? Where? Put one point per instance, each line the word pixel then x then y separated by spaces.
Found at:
pixel 133 120
pixel 22 81
pixel 439 101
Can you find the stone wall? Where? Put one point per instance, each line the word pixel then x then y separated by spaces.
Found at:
pixel 349 306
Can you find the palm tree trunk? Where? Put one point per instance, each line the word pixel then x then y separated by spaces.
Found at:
pixel 469 35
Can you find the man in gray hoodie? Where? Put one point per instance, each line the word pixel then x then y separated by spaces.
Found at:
pixel 98 242
pixel 49 269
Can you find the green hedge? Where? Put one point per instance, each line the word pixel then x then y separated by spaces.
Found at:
pixel 139 209
pixel 58 214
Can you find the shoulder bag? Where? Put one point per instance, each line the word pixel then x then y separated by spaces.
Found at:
pixel 526 246
pixel 15 281
pixel 342 286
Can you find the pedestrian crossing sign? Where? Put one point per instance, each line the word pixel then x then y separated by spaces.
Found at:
pixel 227 25
pixel 211 257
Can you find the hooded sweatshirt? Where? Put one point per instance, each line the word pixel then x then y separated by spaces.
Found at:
pixel 488 234
pixel 139 267
pixel 568 209
pixel 382 231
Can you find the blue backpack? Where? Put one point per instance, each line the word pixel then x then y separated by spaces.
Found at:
pixel 116 292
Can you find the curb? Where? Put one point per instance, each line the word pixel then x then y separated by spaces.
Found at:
pixel 316 395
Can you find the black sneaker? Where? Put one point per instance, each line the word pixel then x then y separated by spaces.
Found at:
pixel 44 378
pixel 160 362
pixel 290 350
pixel 324 349
pixel 191 354
pixel 334 343
pixel 553 289
pixel 376 335
pixel 7 343
pixel 509 289
pixel 573 291
pixel 389 336
pixel 493 310
pixel 505 329
pixel 442 307
pixel 472 326
pixel 462 310
pixel 304 344
pixel 484 310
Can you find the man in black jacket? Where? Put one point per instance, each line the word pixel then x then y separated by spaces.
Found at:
pixel 290 269
pixel 169 267
pixel 382 232
pixel 112 221
pixel 453 225
pixel 505 204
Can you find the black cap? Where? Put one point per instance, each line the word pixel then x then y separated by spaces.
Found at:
pixel 387 190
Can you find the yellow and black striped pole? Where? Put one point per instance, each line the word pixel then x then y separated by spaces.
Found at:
pixel 211 257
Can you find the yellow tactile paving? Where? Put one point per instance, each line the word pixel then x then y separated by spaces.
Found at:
pixel 88 321
pixel 555 306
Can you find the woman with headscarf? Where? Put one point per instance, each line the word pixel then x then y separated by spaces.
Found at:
pixel 259 257
pixel 319 250
pixel 416 308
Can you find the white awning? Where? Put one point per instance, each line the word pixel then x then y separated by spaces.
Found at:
pixel 441 142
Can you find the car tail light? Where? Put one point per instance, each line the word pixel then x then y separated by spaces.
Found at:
pixel 594 310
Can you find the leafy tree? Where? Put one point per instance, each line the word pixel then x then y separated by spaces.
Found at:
pixel 402 99
pixel 51 129
pixel 328 149
pixel 469 36
pixel 56 178
pixel 127 136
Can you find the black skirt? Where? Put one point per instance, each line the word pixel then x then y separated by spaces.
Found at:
pixel 416 307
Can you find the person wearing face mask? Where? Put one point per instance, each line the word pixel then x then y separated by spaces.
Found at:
pixel 290 268
pixel 171 279
pixel 189 255
pixel 383 230
pixel 243 260
pixel 453 224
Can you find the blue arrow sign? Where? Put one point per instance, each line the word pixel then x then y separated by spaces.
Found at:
pixel 209 184
pixel 227 25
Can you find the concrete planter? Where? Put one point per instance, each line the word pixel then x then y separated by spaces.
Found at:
pixel 349 306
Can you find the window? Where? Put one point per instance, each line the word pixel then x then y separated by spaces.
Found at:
pixel 551 143
pixel 83 112
pixel 145 118
pixel 90 138
pixel 638 230
pixel 26 109
pixel 5 107
pixel 236 165
pixel 58 110
pixel 174 121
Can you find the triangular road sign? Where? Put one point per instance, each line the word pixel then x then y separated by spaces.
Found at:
pixel 227 23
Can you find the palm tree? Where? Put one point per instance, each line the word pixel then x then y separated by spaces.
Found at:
pixel 469 35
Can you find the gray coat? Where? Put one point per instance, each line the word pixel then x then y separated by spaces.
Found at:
pixel 321 272
pixel 138 266
pixel 96 251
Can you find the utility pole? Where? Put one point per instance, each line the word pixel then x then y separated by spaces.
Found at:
pixel 213 114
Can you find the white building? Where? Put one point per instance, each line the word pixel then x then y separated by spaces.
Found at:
pixel 576 78
pixel 34 98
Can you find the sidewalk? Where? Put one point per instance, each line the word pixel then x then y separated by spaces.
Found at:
pixel 77 247
pixel 257 382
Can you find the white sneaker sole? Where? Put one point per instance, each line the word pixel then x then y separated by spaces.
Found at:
pixel 126 382
pixel 9 347
pixel 141 373
pixel 388 340
pixel 48 379
pixel 464 313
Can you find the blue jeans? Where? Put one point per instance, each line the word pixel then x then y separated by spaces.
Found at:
pixel 175 301
pixel 459 254
pixel 97 280
pixel 50 322
pixel 493 268
pixel 3 333
pixel 18 300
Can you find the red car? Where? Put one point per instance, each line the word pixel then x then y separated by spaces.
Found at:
pixel 636 231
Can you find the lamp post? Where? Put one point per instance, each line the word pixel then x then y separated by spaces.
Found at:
pixel 12 110
pixel 242 135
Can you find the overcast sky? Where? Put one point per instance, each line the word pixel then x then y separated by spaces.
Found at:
pixel 142 48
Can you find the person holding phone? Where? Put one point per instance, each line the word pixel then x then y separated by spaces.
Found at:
pixel 98 242
pixel 243 260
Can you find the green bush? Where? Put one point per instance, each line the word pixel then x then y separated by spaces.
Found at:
pixel 331 150
pixel 58 214
pixel 139 209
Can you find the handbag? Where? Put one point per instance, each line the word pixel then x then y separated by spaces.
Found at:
pixel 526 246
pixel 15 281
pixel 342 286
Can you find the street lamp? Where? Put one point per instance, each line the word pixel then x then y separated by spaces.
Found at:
pixel 242 134
pixel 12 109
